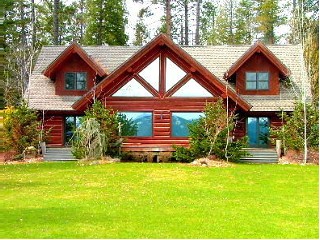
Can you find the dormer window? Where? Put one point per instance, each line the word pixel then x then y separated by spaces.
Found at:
pixel 257 81
pixel 76 81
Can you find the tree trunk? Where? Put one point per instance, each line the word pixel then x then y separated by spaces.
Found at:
pixel 197 37
pixel 33 24
pixel 56 22
pixel 231 22
pixel 186 23
pixel 168 18
pixel 82 20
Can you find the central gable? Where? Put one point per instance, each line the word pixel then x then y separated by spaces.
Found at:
pixel 161 70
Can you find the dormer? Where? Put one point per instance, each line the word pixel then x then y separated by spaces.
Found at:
pixel 257 72
pixel 74 72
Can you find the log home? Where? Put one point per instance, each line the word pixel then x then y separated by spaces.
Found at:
pixel 163 86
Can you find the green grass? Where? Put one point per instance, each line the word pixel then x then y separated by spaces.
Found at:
pixel 136 200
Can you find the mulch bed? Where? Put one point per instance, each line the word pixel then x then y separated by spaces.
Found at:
pixel 296 157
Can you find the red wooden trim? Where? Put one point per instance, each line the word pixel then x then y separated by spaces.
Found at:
pixel 146 85
pixel 178 85
pixel 153 48
pixel 163 79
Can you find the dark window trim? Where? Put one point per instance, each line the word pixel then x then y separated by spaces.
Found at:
pixel 256 81
pixel 76 82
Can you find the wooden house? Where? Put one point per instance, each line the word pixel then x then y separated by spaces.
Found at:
pixel 162 86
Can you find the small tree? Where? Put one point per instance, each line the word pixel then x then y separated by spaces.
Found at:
pixel 209 135
pixel 100 131
pixel 88 140
pixel 22 128
pixel 108 121
pixel 292 132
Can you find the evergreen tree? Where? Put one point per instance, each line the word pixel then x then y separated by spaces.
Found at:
pixel 208 23
pixel 244 24
pixel 141 31
pixel 17 47
pixel 106 22
pixel 268 18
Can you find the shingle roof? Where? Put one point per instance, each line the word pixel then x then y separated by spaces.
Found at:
pixel 217 59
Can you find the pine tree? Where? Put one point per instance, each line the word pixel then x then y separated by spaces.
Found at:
pixel 141 31
pixel 244 24
pixel 208 23
pixel 106 22
pixel 268 18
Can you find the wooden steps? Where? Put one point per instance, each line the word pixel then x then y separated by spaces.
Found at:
pixel 58 154
pixel 260 155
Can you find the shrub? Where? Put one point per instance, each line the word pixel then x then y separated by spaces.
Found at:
pixel 21 128
pixel 292 132
pixel 99 133
pixel 109 126
pixel 209 135
pixel 88 140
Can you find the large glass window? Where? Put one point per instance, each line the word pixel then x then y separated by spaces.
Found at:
pixel 257 80
pixel 132 89
pixel 138 124
pixel 173 74
pixel 192 89
pixel 151 73
pixel 180 121
pixel 76 81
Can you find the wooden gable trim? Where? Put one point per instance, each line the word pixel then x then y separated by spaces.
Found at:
pixel 73 48
pixel 258 47
pixel 144 55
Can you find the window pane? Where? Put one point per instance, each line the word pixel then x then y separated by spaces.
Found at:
pixel 137 124
pixel 132 89
pixel 263 76
pixel 151 74
pixel 173 74
pixel 180 121
pixel 70 80
pixel 251 85
pixel 251 76
pixel 263 85
pixel 192 89
pixel 81 81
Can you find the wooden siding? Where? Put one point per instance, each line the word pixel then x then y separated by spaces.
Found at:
pixel 161 109
pixel 258 63
pixel 55 124
pixel 74 64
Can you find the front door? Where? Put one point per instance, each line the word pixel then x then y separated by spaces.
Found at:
pixel 71 123
pixel 258 131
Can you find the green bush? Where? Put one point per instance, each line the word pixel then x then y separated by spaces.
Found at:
pixel 21 128
pixel 208 136
pixel 292 132
pixel 99 133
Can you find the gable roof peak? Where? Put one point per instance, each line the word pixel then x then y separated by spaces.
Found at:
pixel 74 47
pixel 257 47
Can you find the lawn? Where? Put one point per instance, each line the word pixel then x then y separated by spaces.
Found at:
pixel 144 200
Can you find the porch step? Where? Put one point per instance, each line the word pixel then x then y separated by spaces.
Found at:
pixel 58 154
pixel 260 155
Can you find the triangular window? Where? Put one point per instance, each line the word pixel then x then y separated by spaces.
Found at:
pixel 132 89
pixel 192 89
pixel 151 74
pixel 173 74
